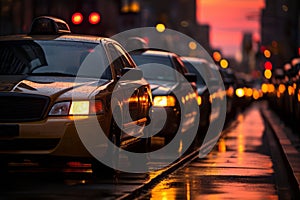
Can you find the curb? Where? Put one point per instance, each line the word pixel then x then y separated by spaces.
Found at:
pixel 290 153
pixel 159 176
pixel 164 172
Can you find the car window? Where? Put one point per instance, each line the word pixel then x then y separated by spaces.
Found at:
pixel 155 67
pixel 124 56
pixel 117 61
pixel 179 65
pixel 19 57
pixel 53 57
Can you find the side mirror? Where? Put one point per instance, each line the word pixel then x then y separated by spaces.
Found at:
pixel 132 74
pixel 191 77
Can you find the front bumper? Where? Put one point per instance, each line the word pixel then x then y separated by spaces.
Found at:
pixel 165 121
pixel 54 136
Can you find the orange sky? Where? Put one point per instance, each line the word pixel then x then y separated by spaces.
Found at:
pixel 228 20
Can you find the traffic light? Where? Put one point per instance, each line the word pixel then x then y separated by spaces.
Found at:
pixel 94 18
pixel 268 65
pixel 77 18
pixel 267 53
pixel 224 63
pixel 268 74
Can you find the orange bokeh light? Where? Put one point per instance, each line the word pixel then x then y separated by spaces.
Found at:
pixel 217 56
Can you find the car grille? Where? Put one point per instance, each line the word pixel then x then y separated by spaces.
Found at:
pixel 22 107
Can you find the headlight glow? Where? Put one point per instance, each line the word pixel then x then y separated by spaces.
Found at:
pixel 80 108
pixel 164 101
pixel 281 88
pixel 77 108
pixel 248 92
pixel 199 100
pixel 264 88
pixel 240 92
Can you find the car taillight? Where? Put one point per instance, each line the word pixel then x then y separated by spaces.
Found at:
pixel 164 101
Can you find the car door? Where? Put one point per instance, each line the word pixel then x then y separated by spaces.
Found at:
pixel 126 93
pixel 139 106
pixel 185 88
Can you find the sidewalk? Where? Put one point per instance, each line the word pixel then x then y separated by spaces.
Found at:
pixel 289 142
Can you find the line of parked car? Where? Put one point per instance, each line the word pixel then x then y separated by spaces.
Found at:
pixel 283 91
pixel 54 85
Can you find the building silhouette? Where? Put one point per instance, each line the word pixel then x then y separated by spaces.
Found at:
pixel 116 16
pixel 280 30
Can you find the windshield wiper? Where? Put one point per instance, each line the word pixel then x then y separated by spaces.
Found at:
pixel 51 74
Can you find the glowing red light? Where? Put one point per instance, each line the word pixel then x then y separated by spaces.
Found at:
pixel 77 18
pixel 94 18
pixel 268 65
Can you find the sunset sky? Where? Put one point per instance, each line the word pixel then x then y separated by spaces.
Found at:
pixel 228 20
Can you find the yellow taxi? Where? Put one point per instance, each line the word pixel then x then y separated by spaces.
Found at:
pixel 52 80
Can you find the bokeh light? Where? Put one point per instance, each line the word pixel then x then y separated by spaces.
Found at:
pixel 224 63
pixel 160 28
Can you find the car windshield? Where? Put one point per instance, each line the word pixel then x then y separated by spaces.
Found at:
pixel 155 67
pixel 53 58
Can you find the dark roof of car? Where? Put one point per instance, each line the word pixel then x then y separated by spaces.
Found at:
pixel 65 37
pixel 193 60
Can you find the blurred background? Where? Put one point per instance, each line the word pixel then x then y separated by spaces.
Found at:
pixel 252 35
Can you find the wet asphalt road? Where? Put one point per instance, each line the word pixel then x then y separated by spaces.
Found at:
pixel 241 166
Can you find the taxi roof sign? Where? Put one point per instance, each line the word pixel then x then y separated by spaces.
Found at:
pixel 46 25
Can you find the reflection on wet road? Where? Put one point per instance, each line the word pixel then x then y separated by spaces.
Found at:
pixel 240 167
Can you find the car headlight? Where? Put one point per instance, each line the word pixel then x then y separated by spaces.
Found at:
pixel 240 92
pixel 67 108
pixel 163 101
pixel 61 108
pixel 80 108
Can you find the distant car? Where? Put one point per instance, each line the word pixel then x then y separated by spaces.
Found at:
pixel 283 92
pixel 230 83
pixel 50 78
pixel 192 63
pixel 165 72
pixel 202 67
pixel 288 92
pixel 275 88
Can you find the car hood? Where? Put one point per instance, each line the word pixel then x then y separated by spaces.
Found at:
pixel 54 87
pixel 162 87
